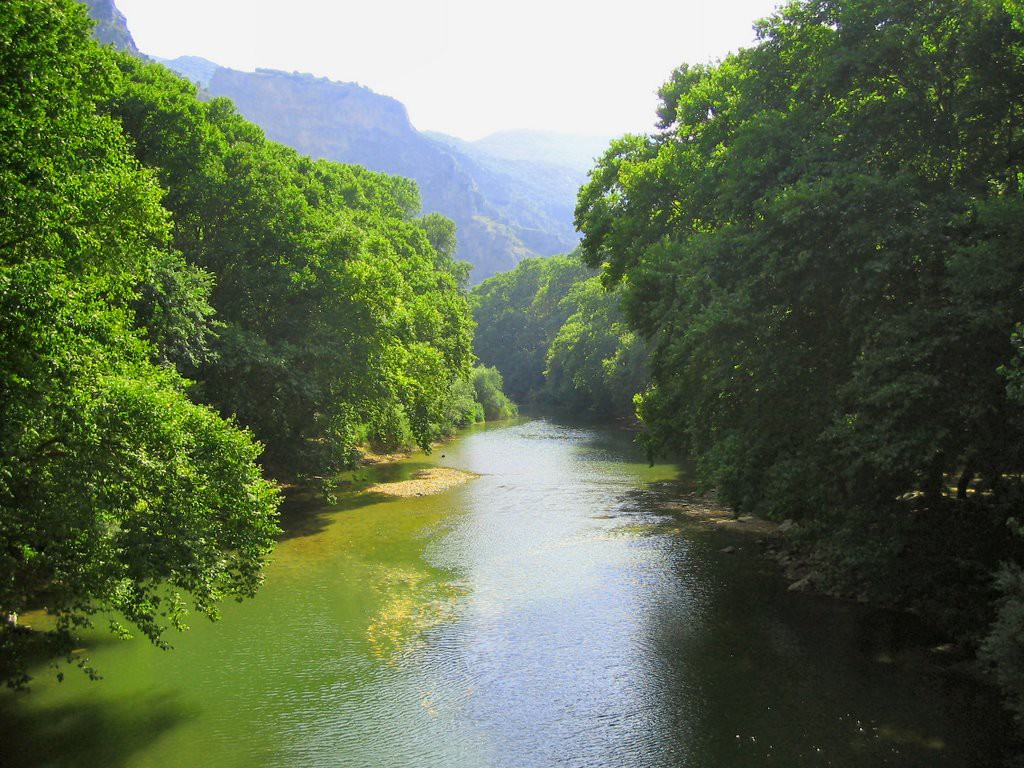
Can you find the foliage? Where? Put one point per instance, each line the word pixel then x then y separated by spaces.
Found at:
pixel 489 394
pixel 517 313
pixel 147 237
pixel 505 209
pixel 820 247
pixel 594 362
pixel 558 337
pixel 344 316
pixel 117 494
pixel 1003 646
pixel 463 407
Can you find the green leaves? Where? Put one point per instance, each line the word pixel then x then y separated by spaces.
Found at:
pixel 112 483
pixel 304 298
pixel 344 318
pixel 488 387
pixel 818 246
pixel 556 334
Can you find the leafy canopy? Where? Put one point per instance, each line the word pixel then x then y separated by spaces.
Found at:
pixel 820 246
pixel 117 493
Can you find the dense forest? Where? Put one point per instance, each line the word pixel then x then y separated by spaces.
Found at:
pixel 186 309
pixel 821 245
pixel 559 338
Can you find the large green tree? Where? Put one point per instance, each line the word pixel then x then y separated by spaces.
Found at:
pixel 821 246
pixel 344 317
pixel 594 363
pixel 117 494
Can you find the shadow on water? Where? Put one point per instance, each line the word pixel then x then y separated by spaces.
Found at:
pixel 308 516
pixel 762 676
pixel 810 680
pixel 73 735
pixel 307 513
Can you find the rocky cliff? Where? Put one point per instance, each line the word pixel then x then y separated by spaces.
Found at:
pixel 500 219
pixel 111 26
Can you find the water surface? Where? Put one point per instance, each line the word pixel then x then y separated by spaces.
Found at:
pixel 547 613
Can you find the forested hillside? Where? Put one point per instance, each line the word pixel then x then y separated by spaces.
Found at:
pixel 559 339
pixel 511 195
pixel 179 295
pixel 343 313
pixel 821 245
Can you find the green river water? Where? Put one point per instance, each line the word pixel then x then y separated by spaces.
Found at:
pixel 544 614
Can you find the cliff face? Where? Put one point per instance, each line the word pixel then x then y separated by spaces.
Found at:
pixel 532 177
pixel 195 69
pixel 111 25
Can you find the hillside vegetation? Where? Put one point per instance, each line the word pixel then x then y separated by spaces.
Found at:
pixel 505 208
pixel 559 339
pixel 181 298
pixel 821 246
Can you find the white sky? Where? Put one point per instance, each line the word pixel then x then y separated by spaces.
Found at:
pixel 466 67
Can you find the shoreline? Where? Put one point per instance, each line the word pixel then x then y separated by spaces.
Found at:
pixel 707 510
pixel 803 570
pixel 426 482
pixel 429 481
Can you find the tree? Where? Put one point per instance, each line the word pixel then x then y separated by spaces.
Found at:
pixel 489 393
pixel 558 338
pixel 817 246
pixel 594 363
pixel 116 492
pixel 344 316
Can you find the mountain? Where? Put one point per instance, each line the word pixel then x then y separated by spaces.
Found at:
pixel 511 195
pixel 193 68
pixel 505 205
pixel 532 171
pixel 570 151
pixel 349 123
pixel 111 27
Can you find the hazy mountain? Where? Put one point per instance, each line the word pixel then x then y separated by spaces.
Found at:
pixel 570 151
pixel 506 208
pixel 532 173
pixel 111 27
pixel 193 68
pixel 511 195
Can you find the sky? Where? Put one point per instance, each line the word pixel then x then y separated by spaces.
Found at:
pixel 467 68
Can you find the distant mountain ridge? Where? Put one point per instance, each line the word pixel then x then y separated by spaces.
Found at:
pixel 111 26
pixel 506 208
pixel 511 195
pixel 570 151
pixel 532 170
pixel 193 68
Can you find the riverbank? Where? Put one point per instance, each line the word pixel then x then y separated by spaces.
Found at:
pixel 553 612
pixel 425 482
pixel 706 509
pixel 803 569
pixel 806 569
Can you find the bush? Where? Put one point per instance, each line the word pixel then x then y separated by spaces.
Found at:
pixel 463 408
pixel 489 393
pixel 1004 646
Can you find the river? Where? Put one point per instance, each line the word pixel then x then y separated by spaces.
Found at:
pixel 547 613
